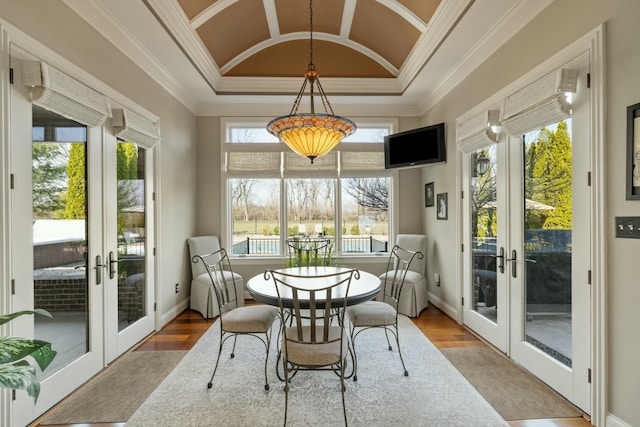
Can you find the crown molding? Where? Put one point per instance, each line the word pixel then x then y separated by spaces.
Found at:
pixel 512 22
pixel 110 29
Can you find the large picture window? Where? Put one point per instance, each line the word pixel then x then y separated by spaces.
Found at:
pixel 273 194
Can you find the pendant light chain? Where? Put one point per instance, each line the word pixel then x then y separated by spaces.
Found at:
pixel 311 65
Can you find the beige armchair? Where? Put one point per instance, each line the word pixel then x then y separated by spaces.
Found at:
pixel 414 297
pixel 203 298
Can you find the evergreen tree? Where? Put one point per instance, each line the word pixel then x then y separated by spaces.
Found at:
pixel 49 180
pixel 76 186
pixel 548 175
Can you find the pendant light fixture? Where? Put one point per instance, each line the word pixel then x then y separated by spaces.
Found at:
pixel 311 134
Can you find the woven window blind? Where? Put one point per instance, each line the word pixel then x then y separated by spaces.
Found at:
pixel 476 132
pixel 56 91
pixel 132 127
pixel 542 103
pixel 358 161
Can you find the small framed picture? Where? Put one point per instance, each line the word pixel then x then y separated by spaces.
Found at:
pixel 633 152
pixel 443 208
pixel 428 195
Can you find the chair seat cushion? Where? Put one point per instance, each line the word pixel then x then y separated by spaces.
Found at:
pixel 372 313
pixel 310 354
pixel 247 319
pixel 412 278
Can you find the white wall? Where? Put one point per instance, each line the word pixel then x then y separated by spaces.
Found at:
pixel 563 22
pixel 175 194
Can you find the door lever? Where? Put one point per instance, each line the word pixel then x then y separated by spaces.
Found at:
pixel 500 259
pixel 98 268
pixel 112 265
pixel 514 262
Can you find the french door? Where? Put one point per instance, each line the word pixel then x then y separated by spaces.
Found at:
pixel 527 222
pixel 79 214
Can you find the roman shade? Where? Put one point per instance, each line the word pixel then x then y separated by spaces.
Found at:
pixel 132 127
pixel 539 104
pixel 298 166
pixel 478 131
pixel 253 161
pixel 57 92
pixel 359 161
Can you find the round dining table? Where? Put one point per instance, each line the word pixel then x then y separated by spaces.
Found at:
pixel 363 288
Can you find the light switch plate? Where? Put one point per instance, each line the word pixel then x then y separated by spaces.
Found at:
pixel 628 227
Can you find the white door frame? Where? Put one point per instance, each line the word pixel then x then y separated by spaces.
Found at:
pixel 10 35
pixel 592 42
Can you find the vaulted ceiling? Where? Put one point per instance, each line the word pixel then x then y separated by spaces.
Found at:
pixel 213 53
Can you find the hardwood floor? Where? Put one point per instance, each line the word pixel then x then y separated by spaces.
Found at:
pixel 185 330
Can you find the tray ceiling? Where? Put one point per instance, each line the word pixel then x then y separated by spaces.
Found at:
pixel 406 53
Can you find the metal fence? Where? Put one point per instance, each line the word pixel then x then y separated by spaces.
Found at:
pixel 271 245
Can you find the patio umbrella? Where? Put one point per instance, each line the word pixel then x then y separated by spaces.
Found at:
pixel 528 204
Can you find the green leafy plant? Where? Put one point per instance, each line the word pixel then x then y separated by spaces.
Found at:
pixel 15 371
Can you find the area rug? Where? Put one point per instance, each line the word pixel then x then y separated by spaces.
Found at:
pixel 434 393
pixel 116 394
pixel 509 388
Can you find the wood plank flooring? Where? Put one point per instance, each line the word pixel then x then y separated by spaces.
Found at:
pixel 185 330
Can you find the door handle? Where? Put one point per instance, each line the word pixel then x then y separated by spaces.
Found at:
pixel 112 265
pixel 98 268
pixel 514 262
pixel 500 259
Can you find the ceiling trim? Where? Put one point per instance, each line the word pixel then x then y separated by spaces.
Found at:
pixel 172 16
pixel 110 29
pixel 445 17
pixel 347 18
pixel 331 85
pixel 305 36
pixel 212 10
pixel 405 13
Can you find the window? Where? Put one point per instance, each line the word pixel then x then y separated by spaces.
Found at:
pixel 273 193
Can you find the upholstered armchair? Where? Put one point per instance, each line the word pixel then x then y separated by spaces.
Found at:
pixel 414 294
pixel 203 297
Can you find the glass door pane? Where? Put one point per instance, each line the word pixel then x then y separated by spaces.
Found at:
pixel 60 237
pixel 484 232
pixel 131 222
pixel 548 240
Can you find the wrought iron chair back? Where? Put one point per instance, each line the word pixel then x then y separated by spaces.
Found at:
pixel 309 251
pixel 224 285
pixel 313 341
pixel 398 264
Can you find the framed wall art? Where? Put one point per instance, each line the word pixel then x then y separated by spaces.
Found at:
pixel 428 195
pixel 442 207
pixel 633 152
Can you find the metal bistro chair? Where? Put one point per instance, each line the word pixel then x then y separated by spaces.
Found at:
pixel 383 313
pixel 313 341
pixel 309 251
pixel 236 319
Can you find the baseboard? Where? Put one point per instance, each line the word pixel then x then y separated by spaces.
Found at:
pixel 173 312
pixel 613 421
pixel 447 309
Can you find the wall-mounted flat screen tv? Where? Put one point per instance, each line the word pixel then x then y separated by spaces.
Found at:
pixel 415 147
